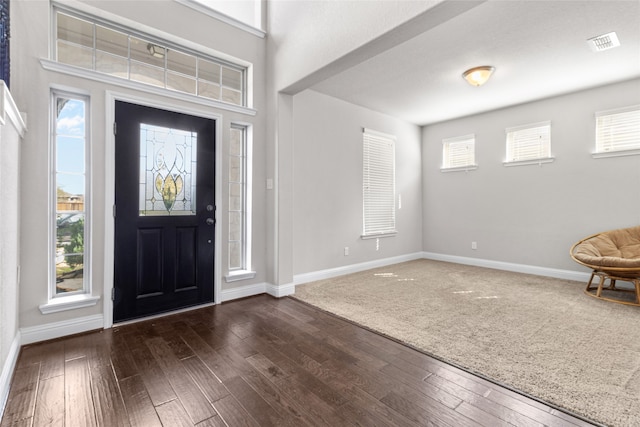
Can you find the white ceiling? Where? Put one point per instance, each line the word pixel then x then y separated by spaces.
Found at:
pixel 539 49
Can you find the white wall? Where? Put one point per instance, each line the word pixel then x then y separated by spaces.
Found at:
pixel 12 129
pixel 326 31
pixel 327 189
pixel 530 214
pixel 31 88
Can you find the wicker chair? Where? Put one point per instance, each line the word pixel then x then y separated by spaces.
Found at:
pixel 613 255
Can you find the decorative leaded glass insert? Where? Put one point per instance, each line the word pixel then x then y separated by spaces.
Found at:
pixel 167 171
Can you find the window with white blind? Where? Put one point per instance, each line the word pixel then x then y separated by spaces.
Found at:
pixel 379 186
pixel 618 131
pixel 459 153
pixel 529 144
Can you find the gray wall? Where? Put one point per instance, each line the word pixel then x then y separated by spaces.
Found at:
pixel 327 189
pixel 530 214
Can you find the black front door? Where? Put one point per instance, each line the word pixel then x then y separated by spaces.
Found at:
pixel 164 213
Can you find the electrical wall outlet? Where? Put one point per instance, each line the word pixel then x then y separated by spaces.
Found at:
pixel 474 245
pixel 346 250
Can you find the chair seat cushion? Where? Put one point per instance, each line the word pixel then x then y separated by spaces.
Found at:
pixel 614 249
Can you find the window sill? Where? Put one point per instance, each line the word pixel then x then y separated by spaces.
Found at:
pixel 619 153
pixel 72 302
pixel 538 162
pixel 236 276
pixel 460 168
pixel 376 236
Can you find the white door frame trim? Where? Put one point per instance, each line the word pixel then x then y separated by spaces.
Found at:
pixel 109 188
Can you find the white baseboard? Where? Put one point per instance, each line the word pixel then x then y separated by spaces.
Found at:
pixel 243 292
pixel 8 367
pixel 578 276
pixel 60 329
pixel 281 290
pixel 498 265
pixel 257 289
pixel 299 279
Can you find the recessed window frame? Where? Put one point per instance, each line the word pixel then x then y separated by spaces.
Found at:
pixel 617 132
pixel 517 139
pixel 454 157
pixel 378 185
pixel 225 61
pixel 60 301
pixel 242 180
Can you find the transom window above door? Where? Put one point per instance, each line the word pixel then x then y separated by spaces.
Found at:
pixel 89 43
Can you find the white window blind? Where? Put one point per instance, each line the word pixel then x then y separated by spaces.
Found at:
pixel 378 183
pixel 618 130
pixel 529 142
pixel 458 152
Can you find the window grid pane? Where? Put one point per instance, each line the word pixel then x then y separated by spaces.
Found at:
pixel 378 184
pixel 85 43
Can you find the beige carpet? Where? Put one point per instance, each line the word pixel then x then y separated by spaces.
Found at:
pixel 539 335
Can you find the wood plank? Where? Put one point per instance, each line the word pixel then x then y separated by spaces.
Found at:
pixel 215 421
pixel 107 400
pixel 139 407
pixel 233 413
pixel 193 400
pixel 426 414
pixel 53 364
pixel 78 402
pixel 173 414
pixel 22 395
pixel 503 412
pixel 153 377
pixel 481 417
pixel 255 405
pixel 302 400
pixel 209 383
pixel 49 409
pixel 123 363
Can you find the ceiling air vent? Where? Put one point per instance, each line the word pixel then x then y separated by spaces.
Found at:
pixel 604 42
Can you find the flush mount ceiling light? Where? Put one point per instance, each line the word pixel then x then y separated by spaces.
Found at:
pixel 478 76
pixel 155 50
pixel 604 42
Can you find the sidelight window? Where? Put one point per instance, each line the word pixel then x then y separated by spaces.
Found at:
pixel 70 179
pixel 239 203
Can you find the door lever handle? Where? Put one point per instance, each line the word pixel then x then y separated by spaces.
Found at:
pixel 210 221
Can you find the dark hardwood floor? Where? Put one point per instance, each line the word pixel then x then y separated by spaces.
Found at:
pixel 254 362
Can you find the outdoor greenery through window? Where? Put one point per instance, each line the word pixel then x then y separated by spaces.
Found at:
pixel 70 145
pixel 618 130
pixel 529 142
pixel 379 184
pixel 459 153
pixel 90 44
